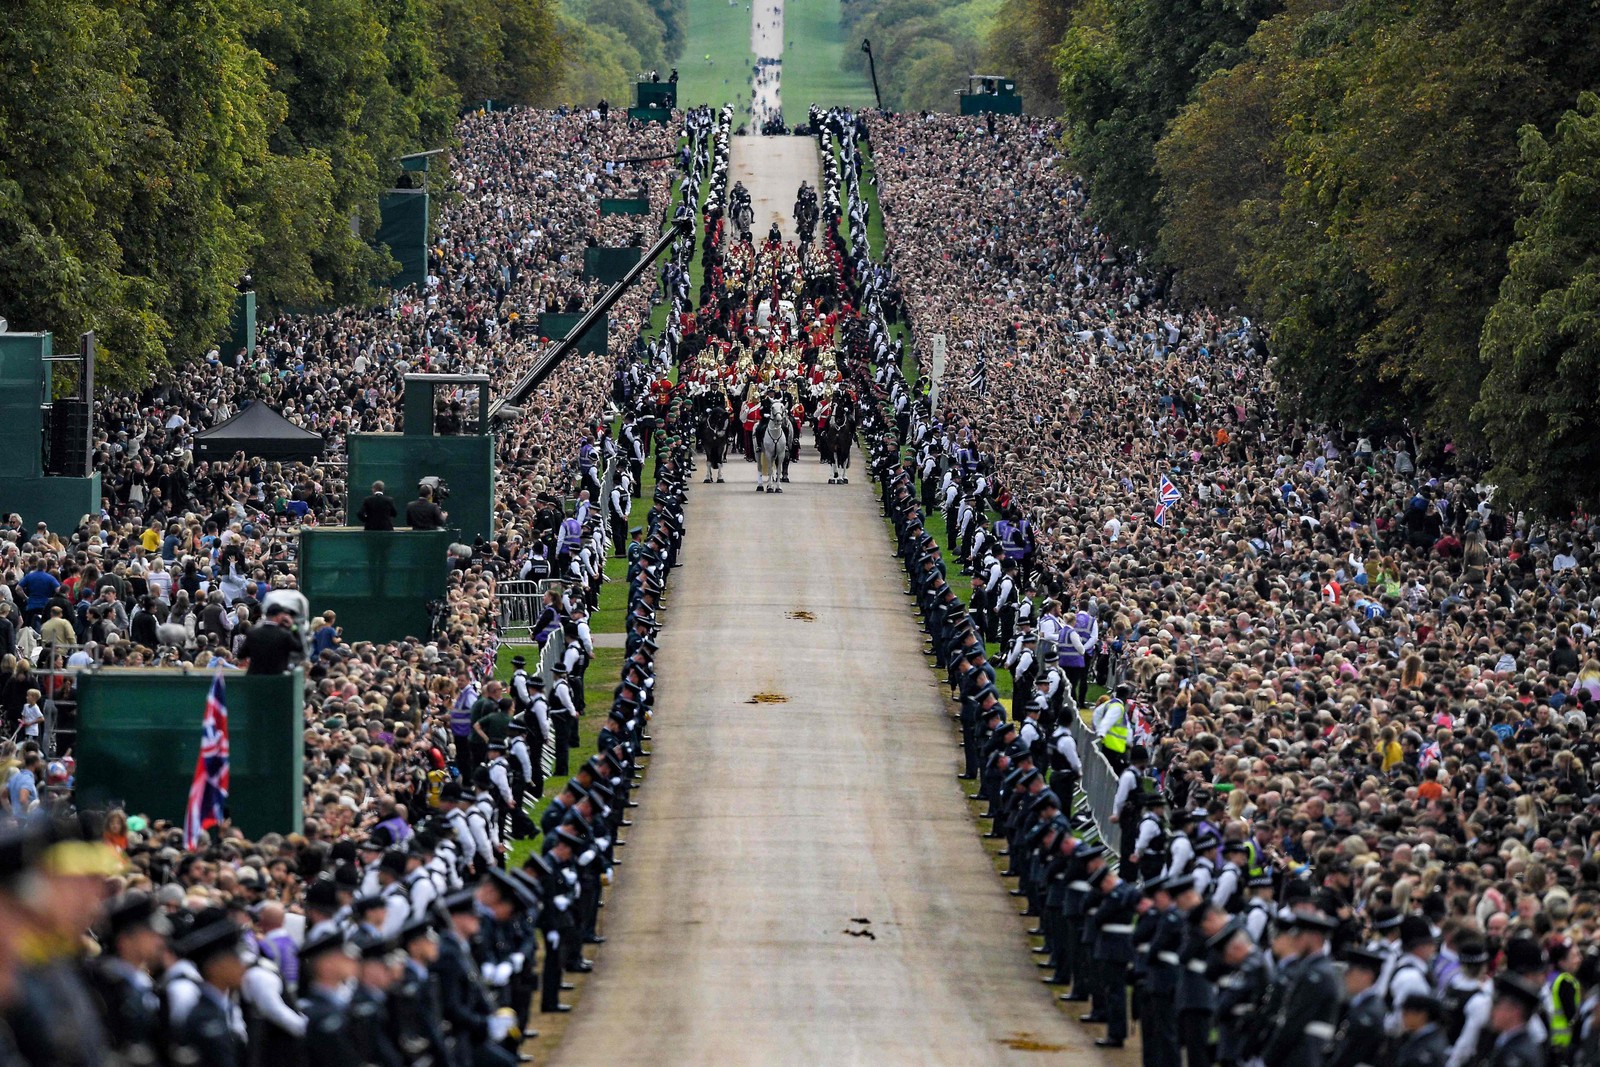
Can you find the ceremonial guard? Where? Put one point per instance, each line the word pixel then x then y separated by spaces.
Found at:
pixel 1304 1025
pixel 1113 950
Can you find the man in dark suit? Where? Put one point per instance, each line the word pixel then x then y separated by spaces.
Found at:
pixel 423 513
pixel 377 512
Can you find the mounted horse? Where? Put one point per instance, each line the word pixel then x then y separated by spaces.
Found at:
pixel 774 436
pixel 714 423
pixel 836 435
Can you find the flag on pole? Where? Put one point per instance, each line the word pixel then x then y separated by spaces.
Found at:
pixel 1166 496
pixel 979 383
pixel 208 794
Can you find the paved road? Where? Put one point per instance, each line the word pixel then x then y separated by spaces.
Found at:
pixel 771 833
pixel 772 168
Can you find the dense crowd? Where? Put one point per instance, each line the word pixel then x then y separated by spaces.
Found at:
pixel 398 912
pixel 1349 693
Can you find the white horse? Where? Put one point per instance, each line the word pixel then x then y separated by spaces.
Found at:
pixel 775 437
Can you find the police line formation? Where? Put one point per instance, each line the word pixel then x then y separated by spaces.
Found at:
pixel 1304 907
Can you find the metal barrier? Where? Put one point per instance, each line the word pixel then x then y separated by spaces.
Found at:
pixel 1099 784
pixel 519 608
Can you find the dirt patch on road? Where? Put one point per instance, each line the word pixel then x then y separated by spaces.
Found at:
pixel 800 616
pixel 768 698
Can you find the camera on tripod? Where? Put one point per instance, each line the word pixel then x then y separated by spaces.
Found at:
pixel 438 487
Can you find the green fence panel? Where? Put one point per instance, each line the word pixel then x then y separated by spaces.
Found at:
pixel 379 584
pixel 662 94
pixel 557 325
pixel 610 265
pixel 403 226
pixel 624 205
pixel 139 737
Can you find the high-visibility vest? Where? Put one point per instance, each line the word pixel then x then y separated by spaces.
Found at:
pixel 1253 866
pixel 1116 738
pixel 1560 1022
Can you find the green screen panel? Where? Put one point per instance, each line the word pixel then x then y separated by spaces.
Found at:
pixel 139 736
pixel 241 329
pixel 556 326
pixel 624 205
pixel 401 461
pixel 610 265
pixel 661 94
pixel 403 226
pixel 24 386
pixel 379 584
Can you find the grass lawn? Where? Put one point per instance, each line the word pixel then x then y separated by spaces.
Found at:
pixel 722 31
pixel 813 46
pixel 600 678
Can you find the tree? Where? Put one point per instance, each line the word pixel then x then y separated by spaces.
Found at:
pixel 1540 403
pixel 1126 68
pixel 1021 40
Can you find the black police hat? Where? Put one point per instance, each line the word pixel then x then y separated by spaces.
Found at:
pixel 1224 935
pixel 213 934
pixel 461 901
pixel 1432 1006
pixel 136 911
pixel 1367 961
pixel 323 893
pixel 1180 882
pixel 1314 921
pixel 330 940
pixel 1518 990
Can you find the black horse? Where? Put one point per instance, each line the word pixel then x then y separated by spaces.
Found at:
pixel 834 442
pixel 714 424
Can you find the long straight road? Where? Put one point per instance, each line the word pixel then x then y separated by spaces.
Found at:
pixel 772 168
pixel 776 835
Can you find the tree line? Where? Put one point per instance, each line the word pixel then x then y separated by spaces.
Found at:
pixel 153 153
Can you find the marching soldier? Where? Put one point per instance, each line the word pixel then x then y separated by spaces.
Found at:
pixel 213 1030
pixel 1159 1014
pixel 369 1021
pixel 420 1034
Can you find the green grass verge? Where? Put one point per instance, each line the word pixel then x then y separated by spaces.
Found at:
pixel 814 44
pixel 722 31
pixel 601 678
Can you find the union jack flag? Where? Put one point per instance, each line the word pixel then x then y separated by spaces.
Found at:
pixel 208 794
pixel 1166 496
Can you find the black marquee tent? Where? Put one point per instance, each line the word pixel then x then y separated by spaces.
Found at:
pixel 260 432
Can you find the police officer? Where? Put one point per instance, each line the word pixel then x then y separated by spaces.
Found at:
pixel 134 947
pixel 1304 1025
pixel 1150 843
pixel 1125 805
pixel 1360 1033
pixel 520 763
pixel 1113 950
pixel 500 791
pixel 1159 1018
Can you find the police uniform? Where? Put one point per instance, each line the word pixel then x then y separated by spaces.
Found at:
pixel 1113 952
pixel 1305 1024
